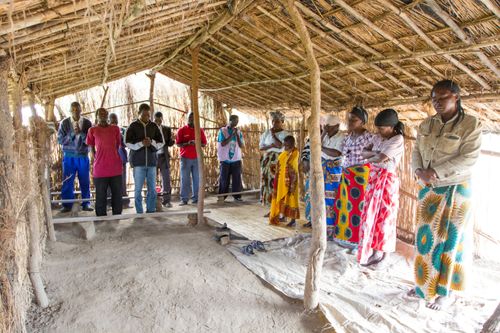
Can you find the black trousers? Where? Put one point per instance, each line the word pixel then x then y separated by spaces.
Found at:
pixel 101 192
pixel 230 173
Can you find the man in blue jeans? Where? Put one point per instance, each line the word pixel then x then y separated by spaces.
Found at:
pixel 71 135
pixel 143 138
pixel 229 144
pixel 189 160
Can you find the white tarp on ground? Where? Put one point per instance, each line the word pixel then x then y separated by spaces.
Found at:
pixel 357 299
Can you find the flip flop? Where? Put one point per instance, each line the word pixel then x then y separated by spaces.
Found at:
pixel 248 250
pixel 374 262
pixel 258 245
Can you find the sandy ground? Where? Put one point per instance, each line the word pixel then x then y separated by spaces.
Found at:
pixel 157 276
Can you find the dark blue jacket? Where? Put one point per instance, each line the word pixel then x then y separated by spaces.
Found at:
pixel 139 154
pixel 73 144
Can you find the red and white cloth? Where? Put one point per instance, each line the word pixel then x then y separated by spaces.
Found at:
pixel 380 213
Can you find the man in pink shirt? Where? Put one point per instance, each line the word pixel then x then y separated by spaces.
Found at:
pixel 189 160
pixel 105 139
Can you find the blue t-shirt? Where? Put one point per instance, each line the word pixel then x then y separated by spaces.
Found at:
pixel 233 144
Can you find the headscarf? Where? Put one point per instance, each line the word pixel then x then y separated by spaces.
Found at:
pixel 361 113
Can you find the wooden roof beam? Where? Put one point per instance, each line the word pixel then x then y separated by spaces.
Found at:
pixel 215 69
pixel 472 98
pixel 181 74
pixel 430 33
pixel 459 48
pixel 319 48
pixel 429 41
pixel 365 47
pixel 388 36
pixel 461 34
pixel 292 50
pixel 127 15
pixel 222 78
pixel 53 67
pixel 292 88
pixel 204 34
pixel 491 6
pixel 58 31
pixel 271 63
pixel 46 16
pixel 276 54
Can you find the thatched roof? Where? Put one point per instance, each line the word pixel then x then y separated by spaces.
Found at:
pixel 374 52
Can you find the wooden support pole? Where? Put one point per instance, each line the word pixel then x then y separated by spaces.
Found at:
pixel 197 132
pixel 46 204
pixel 32 215
pixel 40 133
pixel 317 186
pixel 49 110
pixel 17 102
pixel 103 100
pixel 301 144
pixel 151 75
pixel 36 257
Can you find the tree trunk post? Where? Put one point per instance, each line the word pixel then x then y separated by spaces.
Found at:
pixel 196 113
pixel 152 75
pixel 318 241
pixel 301 144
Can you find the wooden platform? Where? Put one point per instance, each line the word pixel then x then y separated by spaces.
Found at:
pixel 244 218
pixel 247 219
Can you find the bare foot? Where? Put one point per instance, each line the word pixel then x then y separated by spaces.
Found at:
pixel 441 302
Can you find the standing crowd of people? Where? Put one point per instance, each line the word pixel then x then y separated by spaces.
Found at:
pixel 361 182
pixel 359 167
pixel 148 143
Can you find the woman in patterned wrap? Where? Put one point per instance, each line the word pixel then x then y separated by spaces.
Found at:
pixel 271 144
pixel 447 147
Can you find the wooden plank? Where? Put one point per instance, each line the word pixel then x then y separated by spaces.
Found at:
pixel 247 219
pixel 233 193
pixel 121 217
pixel 80 200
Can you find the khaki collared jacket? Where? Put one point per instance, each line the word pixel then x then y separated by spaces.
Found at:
pixel 450 150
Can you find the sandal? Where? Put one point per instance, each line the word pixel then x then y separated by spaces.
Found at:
pixel 223 228
pixel 258 245
pixel 248 250
pixel 374 262
pixel 307 225
pixel 291 223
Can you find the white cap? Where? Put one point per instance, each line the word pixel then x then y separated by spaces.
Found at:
pixel 331 120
